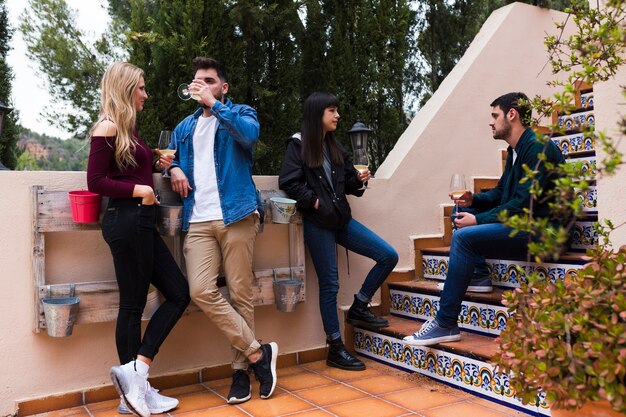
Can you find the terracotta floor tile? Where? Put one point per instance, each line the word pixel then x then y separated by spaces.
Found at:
pixel 330 394
pixel 497 407
pixel 291 370
pixel 341 375
pixel 197 401
pixel 103 405
pixel 316 366
pixel 301 381
pixel 420 399
pixel 368 407
pixel 218 382
pixel 311 413
pixel 462 409
pixel 80 411
pixel 108 412
pixel 223 411
pixel 381 384
pixel 187 389
pixel 280 404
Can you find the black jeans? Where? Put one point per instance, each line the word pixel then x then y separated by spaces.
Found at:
pixel 141 258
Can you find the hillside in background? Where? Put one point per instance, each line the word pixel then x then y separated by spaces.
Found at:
pixel 44 153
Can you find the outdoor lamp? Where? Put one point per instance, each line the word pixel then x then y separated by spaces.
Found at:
pixel 4 110
pixel 358 135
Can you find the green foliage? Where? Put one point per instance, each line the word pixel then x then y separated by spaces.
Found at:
pixel 10 129
pixel 568 338
pixel 72 67
pixel 276 51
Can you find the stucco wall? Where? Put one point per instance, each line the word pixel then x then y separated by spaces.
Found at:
pixel 35 365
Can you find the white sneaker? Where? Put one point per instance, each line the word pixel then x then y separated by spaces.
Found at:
pixel 156 402
pixel 131 387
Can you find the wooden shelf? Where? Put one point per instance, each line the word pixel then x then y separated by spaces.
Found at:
pixel 99 300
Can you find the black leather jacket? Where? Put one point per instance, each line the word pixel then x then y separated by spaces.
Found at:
pixel 306 185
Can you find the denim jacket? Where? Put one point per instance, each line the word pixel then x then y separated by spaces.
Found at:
pixel 236 134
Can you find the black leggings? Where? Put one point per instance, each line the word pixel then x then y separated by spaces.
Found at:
pixel 141 258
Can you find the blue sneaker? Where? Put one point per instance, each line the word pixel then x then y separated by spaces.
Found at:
pixel 432 333
pixel 477 284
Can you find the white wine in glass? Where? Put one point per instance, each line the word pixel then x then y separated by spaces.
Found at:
pixel 167 144
pixel 184 93
pixel 361 162
pixel 457 189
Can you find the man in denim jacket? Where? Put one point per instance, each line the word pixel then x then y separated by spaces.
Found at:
pixel 212 171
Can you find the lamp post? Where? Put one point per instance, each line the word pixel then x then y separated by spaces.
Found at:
pixel 359 133
pixel 4 110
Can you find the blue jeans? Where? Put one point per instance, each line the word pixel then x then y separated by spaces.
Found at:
pixel 469 248
pixel 359 239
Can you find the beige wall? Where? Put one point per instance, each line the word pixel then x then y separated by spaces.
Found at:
pixel 609 108
pixel 450 134
pixel 35 365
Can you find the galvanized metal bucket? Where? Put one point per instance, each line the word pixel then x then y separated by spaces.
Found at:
pixel 60 313
pixel 286 294
pixel 169 219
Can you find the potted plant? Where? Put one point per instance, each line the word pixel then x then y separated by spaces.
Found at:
pixel 566 339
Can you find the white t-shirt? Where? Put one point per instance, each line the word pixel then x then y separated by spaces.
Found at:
pixel 207 205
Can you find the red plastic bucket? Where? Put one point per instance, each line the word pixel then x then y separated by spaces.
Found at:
pixel 85 206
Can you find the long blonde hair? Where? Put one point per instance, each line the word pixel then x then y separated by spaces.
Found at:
pixel 117 104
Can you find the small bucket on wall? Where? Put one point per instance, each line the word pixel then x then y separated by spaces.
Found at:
pixel 286 294
pixel 85 206
pixel 169 219
pixel 282 209
pixel 60 313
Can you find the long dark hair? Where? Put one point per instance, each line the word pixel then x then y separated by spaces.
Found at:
pixel 313 134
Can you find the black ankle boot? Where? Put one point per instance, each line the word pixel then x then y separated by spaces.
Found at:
pixel 360 315
pixel 339 357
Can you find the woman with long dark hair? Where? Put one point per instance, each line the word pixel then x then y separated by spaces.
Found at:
pixel 318 173
pixel 121 166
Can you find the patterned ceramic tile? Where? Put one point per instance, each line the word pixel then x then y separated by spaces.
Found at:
pixel 588 166
pixel 465 373
pixel 589 199
pixel 574 143
pixel 480 318
pixel 586 100
pixel 414 305
pixel 577 120
pixel 584 236
pixel 435 266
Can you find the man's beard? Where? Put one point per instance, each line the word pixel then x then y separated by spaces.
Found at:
pixel 218 97
pixel 503 133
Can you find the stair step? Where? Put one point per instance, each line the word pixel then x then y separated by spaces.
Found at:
pixel 430 287
pixel 483 314
pixel 503 271
pixel 464 365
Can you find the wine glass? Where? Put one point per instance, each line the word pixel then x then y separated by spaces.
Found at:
pixel 458 187
pixel 167 144
pixel 361 162
pixel 185 93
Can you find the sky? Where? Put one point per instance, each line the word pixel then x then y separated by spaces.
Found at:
pixel 29 93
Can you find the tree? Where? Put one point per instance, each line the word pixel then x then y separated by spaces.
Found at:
pixel 446 28
pixel 10 130
pixel 72 66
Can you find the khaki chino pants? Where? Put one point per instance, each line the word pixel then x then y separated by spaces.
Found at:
pixel 209 247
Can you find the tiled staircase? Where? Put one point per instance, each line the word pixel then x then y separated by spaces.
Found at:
pixel 466 364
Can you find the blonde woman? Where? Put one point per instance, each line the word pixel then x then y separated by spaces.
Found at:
pixel 120 167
